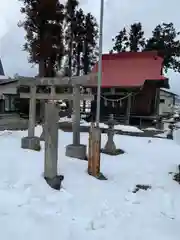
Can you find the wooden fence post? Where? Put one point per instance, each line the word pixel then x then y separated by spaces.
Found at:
pixel 90 152
pixel 94 153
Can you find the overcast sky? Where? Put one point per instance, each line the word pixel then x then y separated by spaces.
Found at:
pixel 118 13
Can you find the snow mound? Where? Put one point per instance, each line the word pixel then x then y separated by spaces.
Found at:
pixel 127 128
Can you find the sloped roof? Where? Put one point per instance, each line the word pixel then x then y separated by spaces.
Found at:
pixel 4 79
pixel 131 69
pixel 1 69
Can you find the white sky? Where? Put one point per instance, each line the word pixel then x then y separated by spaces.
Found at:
pixel 118 13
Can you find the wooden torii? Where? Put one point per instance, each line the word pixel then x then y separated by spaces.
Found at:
pixel 76 149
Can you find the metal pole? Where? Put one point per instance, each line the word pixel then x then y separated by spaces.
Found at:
pixel 100 64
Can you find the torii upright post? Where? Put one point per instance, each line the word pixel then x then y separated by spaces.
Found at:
pixel 76 149
pixel 51 146
pixel 31 142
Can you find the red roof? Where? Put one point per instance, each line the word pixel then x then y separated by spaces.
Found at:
pixel 130 69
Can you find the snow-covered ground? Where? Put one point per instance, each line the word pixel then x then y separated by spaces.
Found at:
pixel 125 128
pixel 87 208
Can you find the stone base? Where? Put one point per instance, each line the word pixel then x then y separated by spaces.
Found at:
pixel 76 151
pixel 170 136
pixel 55 182
pixel 32 143
pixel 112 153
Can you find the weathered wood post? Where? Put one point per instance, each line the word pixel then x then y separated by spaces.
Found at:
pixel 90 148
pixel 94 153
pixel 51 146
pixel 31 142
pixel 128 110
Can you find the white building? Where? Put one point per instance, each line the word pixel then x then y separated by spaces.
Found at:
pixel 167 102
pixel 8 92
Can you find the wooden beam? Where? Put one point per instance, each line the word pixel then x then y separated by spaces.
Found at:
pixel 64 96
pixel 85 80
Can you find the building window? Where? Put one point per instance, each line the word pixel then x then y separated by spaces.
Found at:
pixel 9 103
pixel 162 100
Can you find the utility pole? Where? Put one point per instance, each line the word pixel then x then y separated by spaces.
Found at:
pixel 100 64
pixel 94 156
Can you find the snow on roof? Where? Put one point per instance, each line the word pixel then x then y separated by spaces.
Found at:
pixel 3 77
pixel 6 80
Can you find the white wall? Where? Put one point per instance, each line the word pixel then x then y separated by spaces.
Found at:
pixel 167 105
pixel 10 88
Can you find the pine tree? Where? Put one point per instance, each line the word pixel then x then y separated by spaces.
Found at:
pixel 70 25
pixel 120 41
pixel 79 32
pixel 133 41
pixel 136 38
pixel 44 34
pixel 90 43
pixel 165 40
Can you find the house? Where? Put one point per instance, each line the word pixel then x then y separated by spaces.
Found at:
pixel 167 102
pixel 8 92
pixel 131 83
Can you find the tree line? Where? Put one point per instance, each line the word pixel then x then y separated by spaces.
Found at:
pixel 164 40
pixel 62 37
pixel 59 36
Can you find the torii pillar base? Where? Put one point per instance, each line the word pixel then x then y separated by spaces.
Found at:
pixel 32 143
pixel 55 182
pixel 42 137
pixel 76 151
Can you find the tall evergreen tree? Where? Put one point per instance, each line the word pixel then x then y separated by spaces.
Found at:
pixel 132 40
pixel 90 43
pixel 120 41
pixel 79 32
pixel 165 40
pixel 70 25
pixel 136 38
pixel 81 39
pixel 44 34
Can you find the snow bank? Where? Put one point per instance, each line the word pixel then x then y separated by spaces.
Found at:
pixel 87 208
pixel 151 129
pixel 88 124
pixel 127 128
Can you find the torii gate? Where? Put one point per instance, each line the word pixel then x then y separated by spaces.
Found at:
pixel 76 149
